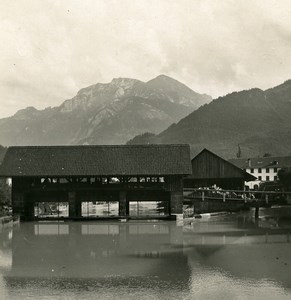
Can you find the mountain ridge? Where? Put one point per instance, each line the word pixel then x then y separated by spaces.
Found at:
pixel 257 120
pixel 103 113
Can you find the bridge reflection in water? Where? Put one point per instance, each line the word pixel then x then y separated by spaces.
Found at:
pixel 120 252
pixel 221 258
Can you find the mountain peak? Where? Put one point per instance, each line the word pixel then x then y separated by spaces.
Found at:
pixel 27 110
pixel 178 92
pixel 26 113
pixel 162 79
pixel 167 83
pixel 124 82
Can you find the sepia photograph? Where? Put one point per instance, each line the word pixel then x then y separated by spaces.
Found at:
pixel 145 149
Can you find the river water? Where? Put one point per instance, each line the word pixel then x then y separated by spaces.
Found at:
pixel 223 257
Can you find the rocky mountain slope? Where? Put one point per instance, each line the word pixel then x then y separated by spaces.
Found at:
pixel 259 121
pixel 109 113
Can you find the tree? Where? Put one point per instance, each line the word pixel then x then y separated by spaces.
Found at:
pixel 143 139
pixel 284 176
pixel 238 154
pixel 5 194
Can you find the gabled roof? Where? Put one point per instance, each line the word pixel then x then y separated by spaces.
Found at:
pixel 96 160
pixel 262 162
pixel 208 165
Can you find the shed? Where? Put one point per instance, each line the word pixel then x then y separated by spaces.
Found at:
pixel 209 169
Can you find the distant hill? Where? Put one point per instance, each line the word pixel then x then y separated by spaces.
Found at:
pixel 110 113
pixel 259 121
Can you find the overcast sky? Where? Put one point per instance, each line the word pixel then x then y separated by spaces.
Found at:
pixel 51 49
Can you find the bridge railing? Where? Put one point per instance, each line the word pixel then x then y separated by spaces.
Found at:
pixel 205 194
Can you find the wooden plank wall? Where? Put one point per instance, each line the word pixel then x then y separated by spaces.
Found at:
pixel 173 183
pixel 208 165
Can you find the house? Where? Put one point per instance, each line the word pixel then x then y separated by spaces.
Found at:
pixel 209 169
pixel 264 168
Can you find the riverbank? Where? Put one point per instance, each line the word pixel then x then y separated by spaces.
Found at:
pixel 8 219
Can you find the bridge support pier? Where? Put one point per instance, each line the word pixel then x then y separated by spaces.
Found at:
pixel 75 210
pixel 28 208
pixel 176 202
pixel 257 209
pixel 123 204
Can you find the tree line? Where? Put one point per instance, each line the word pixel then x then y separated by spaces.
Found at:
pixel 5 189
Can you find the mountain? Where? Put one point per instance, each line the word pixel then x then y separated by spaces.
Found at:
pixel 110 113
pixel 259 121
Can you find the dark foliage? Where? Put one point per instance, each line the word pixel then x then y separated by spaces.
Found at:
pixel 285 177
pixel 142 139
pixel 2 152
pixel 5 189
pixel 5 197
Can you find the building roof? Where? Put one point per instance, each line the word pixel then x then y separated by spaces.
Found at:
pixel 262 162
pixel 208 165
pixel 96 160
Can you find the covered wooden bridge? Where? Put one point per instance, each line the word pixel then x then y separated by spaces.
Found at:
pixel 96 181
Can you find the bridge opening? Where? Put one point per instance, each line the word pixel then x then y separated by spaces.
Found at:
pixel 148 208
pixel 51 209
pixel 100 209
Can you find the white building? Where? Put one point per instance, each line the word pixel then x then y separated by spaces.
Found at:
pixel 264 168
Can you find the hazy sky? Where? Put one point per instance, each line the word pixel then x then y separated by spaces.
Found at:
pixel 51 49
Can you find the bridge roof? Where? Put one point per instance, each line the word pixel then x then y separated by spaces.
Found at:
pixel 209 165
pixel 262 162
pixel 96 160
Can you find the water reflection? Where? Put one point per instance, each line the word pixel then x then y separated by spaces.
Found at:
pixel 250 259
pixel 218 258
pixel 113 253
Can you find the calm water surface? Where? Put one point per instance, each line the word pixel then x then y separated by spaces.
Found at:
pixel 226 257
